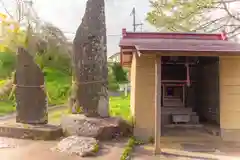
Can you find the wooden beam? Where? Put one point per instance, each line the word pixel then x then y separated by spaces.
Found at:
pixel 178 63
pixel 157 148
pixel 175 81
pixel 127 50
pixel 190 54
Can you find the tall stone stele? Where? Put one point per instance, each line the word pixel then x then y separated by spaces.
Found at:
pixel 30 94
pixel 90 61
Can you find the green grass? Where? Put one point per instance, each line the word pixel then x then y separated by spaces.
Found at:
pixel 3 82
pixel 6 108
pixel 120 106
pixel 55 116
pixel 58 85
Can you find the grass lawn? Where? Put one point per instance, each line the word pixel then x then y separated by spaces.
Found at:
pixel 119 106
pixel 6 108
pixel 58 85
pixel 55 116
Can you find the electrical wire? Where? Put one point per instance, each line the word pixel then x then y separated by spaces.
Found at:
pixel 109 35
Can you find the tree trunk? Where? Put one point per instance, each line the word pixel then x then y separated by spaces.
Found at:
pixel 90 59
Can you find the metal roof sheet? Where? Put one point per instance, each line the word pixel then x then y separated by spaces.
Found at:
pixel 180 45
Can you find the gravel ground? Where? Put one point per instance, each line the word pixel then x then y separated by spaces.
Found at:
pixel 39 150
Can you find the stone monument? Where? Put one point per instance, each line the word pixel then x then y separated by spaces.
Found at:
pixel 91 76
pixel 31 99
pixel 90 61
pixel 30 93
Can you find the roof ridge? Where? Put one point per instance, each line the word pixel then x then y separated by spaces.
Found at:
pixel 174 35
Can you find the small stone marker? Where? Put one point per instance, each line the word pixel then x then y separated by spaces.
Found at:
pixel 103 109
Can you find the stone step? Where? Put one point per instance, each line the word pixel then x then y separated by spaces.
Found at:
pixel 195 119
pixel 172 102
pixel 183 126
pixel 185 118
pixel 181 118
pixel 173 110
pixel 166 118
pixel 172 99
pixel 175 101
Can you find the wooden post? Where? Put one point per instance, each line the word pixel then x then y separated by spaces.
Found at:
pixel 184 96
pixel 157 149
pixel 163 94
pixel 188 75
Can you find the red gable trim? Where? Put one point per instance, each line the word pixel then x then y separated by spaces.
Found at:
pixel 224 36
pixel 166 35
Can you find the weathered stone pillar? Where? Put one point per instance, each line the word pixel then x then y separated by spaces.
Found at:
pixel 230 98
pixel 90 60
pixel 30 94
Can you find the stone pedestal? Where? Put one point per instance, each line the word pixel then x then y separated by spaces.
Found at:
pixel 99 128
pixel 34 132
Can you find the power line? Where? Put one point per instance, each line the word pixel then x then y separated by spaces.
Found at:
pixel 135 25
pixel 30 3
pixel 109 35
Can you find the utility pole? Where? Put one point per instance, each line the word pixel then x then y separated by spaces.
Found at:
pixel 135 25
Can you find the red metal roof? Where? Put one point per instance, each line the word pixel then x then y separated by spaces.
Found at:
pixel 173 35
pixel 178 42
pixel 180 45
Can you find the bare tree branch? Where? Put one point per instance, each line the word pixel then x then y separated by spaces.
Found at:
pixel 5 9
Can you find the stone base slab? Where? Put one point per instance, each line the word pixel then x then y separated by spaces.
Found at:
pixel 95 127
pixel 26 131
pixel 230 135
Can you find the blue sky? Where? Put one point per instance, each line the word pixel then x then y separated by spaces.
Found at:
pixel 67 15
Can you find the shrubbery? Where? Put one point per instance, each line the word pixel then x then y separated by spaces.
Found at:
pixel 116 76
pixel 7 64
pixel 57 71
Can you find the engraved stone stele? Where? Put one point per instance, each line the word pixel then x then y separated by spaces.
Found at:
pixel 90 60
pixel 30 95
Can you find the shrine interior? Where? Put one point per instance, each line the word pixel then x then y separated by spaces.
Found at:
pixel 190 90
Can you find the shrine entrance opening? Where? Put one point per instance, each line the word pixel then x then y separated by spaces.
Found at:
pixel 190 90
